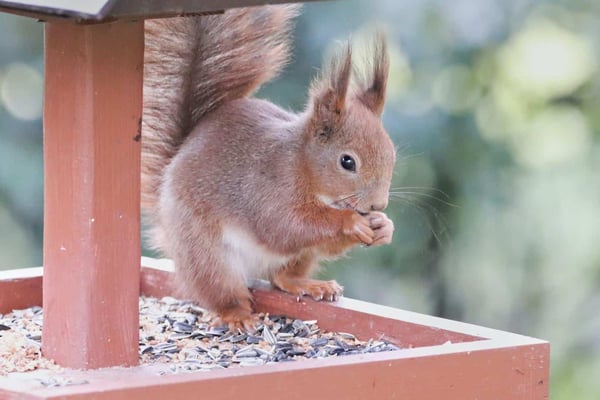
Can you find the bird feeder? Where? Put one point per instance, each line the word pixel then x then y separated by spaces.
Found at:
pixel 92 278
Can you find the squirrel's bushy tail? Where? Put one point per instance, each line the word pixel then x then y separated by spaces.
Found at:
pixel 195 64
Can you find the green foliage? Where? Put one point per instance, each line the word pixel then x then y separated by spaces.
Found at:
pixel 494 107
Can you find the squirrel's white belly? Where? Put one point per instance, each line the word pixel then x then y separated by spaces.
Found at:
pixel 246 257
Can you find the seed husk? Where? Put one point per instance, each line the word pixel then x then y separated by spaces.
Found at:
pixel 184 335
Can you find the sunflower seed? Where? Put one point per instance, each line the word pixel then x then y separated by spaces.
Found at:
pixel 182 334
pixel 296 352
pixel 246 353
pixel 182 327
pixel 217 330
pixel 238 338
pixel 347 336
pixel 318 342
pixel 252 340
pixel 268 336
pixel 250 362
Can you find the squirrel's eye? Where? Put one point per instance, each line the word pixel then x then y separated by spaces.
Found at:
pixel 348 163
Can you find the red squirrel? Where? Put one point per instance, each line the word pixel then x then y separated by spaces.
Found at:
pixel 236 188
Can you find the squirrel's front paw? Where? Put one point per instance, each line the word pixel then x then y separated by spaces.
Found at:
pixel 382 226
pixel 323 290
pixel 318 290
pixel 359 228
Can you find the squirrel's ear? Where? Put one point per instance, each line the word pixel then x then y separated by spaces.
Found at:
pixel 329 91
pixel 372 92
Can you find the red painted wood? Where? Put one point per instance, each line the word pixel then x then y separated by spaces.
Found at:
pixel 498 365
pixel 512 373
pixel 20 290
pixel 92 110
pixel 156 282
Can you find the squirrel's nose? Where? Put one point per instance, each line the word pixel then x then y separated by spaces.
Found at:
pixel 380 206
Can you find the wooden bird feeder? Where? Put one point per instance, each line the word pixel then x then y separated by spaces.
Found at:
pixel 92 277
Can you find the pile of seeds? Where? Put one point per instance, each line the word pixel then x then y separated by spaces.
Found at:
pixel 181 332
pixel 183 335
pixel 20 335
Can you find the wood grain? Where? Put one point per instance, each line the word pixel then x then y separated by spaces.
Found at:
pixel 92 111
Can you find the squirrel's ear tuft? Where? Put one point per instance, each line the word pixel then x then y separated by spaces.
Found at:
pixel 372 90
pixel 329 91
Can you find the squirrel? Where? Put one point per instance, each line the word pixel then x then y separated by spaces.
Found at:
pixel 236 188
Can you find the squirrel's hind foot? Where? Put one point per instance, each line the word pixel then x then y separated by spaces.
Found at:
pixel 235 311
pixel 237 319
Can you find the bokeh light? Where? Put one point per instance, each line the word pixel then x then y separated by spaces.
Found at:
pixel 21 91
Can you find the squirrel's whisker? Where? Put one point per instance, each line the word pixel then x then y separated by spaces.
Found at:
pixel 426 195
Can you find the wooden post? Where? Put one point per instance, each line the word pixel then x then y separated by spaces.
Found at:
pixel 92 115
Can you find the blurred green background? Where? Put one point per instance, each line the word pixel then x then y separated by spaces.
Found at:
pixel 495 107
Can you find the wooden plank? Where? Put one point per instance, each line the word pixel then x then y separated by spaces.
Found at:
pixel 92 114
pixel 21 288
pixel 104 10
pixel 62 8
pixel 474 370
pixel 460 371
pixel 157 275
pixel 160 8
pixel 494 365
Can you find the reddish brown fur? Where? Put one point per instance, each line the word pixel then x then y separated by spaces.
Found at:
pixel 237 187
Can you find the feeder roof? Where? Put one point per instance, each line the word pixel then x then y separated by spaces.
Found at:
pixel 106 10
